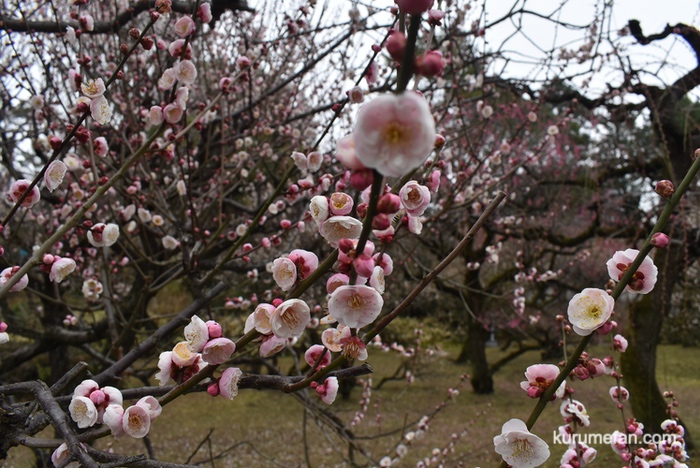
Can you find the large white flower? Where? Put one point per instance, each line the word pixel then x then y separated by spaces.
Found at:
pixel 290 318
pixel 83 411
pixel 395 133
pixel 519 447
pixel 336 228
pixel 590 309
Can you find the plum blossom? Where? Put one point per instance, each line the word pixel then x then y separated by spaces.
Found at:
pixel 328 390
pixel 290 318
pixel 204 12
pixel 619 394
pixel 354 305
pixel 261 316
pixel 4 336
pixel 336 228
pixel 196 334
pixel 172 113
pixel 644 278
pixel 341 204
pixel 519 447
pixel 184 26
pixel 415 198
pixel 100 110
pixel 394 133
pixel 332 337
pixel 228 382
pixel 93 89
pixel 620 343
pixel 61 268
pixel 54 175
pixel 218 350
pixel 18 188
pixel 8 273
pixel 186 72
pixel 182 356
pixel 103 235
pixel 136 422
pixel 318 206
pixel 345 153
pixel 314 353
pixel 539 378
pixel 100 145
pixel 284 272
pixel 574 410
pixel 155 116
pixel 83 411
pixel 60 456
pixel 113 417
pixel 271 345
pixel 167 79
pixel 590 309
pixel 92 289
pixel 169 242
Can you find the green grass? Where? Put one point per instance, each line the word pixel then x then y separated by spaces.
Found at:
pixel 266 428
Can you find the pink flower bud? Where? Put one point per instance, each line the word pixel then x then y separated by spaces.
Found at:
pixel 665 188
pixel 214 328
pixel 3 327
pixel 364 264
pixel 389 203
pixel 362 179
pixel 97 397
pixel 659 240
pixel 414 7
pixel 395 45
pixel 430 64
pixel 213 389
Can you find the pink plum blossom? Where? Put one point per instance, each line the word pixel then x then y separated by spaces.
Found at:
pixel 575 410
pixel 305 261
pixel 346 154
pixel 619 394
pixel 539 378
pixel 228 382
pixel 415 198
pixel 136 422
pixel 519 447
pixel 8 273
pixel 18 188
pixel 336 228
pixel 355 306
pixel 103 235
pixel 155 116
pixel 61 268
pixel 644 278
pixel 100 145
pixel 196 334
pixel 620 343
pixel 314 159
pixel 113 418
pixel 353 348
pixel 314 352
pixel 394 133
pixel 54 175
pixel 590 309
pixel 186 72
pixel 60 456
pixel 204 12
pixel 167 79
pixel 184 26
pixel 271 345
pixel 328 390
pixel 151 405
pixel 356 95
pixel 172 113
pixel 336 280
pixel 218 350
pixel 341 204
pixel 290 318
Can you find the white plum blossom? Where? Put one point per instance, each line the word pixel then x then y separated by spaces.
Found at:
pixel 589 310
pixel 136 422
pixel 93 89
pixel 519 447
pixel 92 289
pixel 196 334
pixel 61 268
pixel 355 305
pixel 8 273
pixel 167 80
pixel 644 278
pixel 101 110
pixel 184 26
pixel 284 272
pixel 228 383
pixel 337 228
pixel 83 411
pixel 290 318
pixel 169 243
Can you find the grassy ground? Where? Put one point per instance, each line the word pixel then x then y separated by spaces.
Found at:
pixel 266 429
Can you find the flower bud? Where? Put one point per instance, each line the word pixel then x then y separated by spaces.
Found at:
pixel 665 188
pixel 395 45
pixel 659 240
